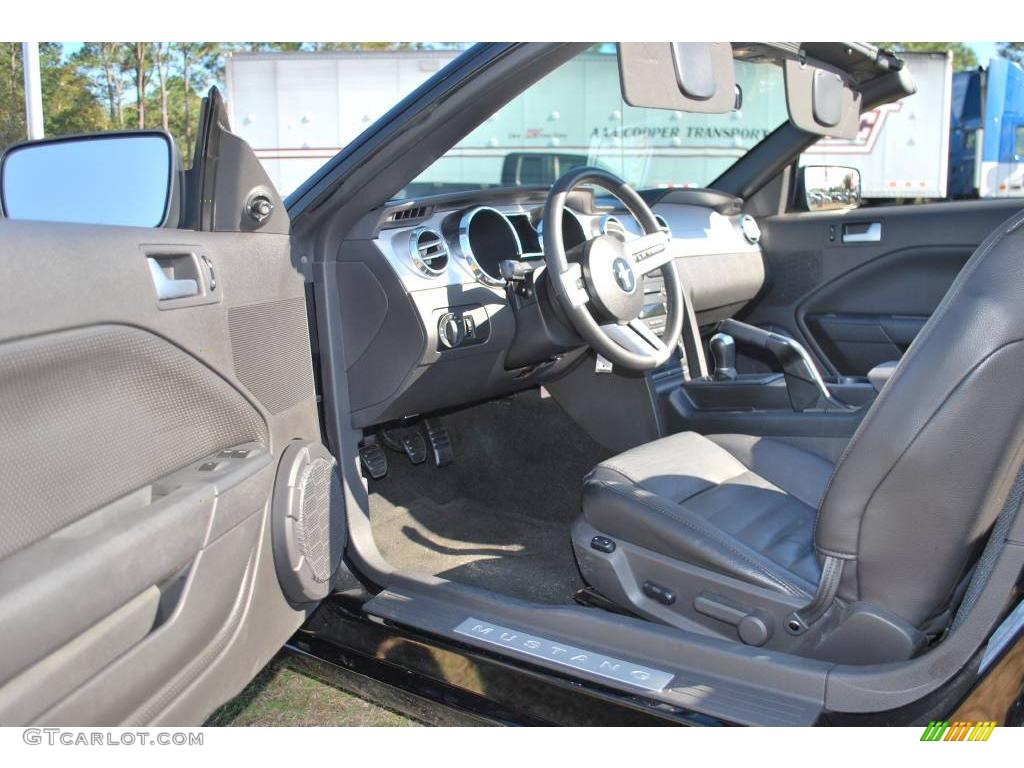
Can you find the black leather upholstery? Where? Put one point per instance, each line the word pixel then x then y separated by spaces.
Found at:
pixel 737 504
pixel 909 503
pixel 929 468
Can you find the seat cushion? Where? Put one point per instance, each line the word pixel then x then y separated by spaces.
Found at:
pixel 736 504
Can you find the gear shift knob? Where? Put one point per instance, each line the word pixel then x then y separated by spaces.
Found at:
pixel 723 350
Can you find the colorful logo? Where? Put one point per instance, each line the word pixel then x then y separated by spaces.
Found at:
pixel 942 730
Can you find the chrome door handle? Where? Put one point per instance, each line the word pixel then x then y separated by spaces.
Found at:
pixel 863 232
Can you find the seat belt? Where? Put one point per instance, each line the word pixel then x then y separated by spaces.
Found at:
pixel 802 619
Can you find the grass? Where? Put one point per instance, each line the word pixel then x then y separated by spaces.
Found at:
pixel 282 695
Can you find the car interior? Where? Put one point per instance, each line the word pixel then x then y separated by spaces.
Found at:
pixel 739 445
pixel 680 418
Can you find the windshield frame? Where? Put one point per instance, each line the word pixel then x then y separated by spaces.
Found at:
pixel 390 152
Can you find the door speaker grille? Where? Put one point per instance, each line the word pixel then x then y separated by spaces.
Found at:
pixel 307 521
pixel 319 489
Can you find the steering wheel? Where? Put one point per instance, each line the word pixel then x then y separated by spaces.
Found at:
pixel 600 283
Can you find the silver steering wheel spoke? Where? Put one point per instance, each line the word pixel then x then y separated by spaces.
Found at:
pixel 636 336
pixel 573 285
pixel 600 288
pixel 649 252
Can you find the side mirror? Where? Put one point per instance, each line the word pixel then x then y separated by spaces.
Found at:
pixel 829 187
pixel 127 179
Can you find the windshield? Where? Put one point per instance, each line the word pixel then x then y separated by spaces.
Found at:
pixel 576 116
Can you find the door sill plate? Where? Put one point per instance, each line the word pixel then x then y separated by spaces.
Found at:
pixel 566 655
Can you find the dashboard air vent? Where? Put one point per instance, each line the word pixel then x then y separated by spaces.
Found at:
pixel 612 226
pixel 663 225
pixel 429 252
pixel 416 212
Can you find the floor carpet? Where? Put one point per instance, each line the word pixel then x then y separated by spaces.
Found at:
pixel 499 517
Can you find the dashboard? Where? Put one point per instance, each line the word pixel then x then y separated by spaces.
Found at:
pixel 443 336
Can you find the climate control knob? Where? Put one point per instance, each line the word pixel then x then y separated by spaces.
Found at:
pixel 450 330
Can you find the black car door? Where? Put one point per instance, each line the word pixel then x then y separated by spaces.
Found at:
pixel 168 515
pixel 856 286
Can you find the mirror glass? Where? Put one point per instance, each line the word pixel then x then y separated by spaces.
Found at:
pixel 831 187
pixel 122 179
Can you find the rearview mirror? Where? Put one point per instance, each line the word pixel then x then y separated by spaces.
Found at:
pixel 830 187
pixel 128 179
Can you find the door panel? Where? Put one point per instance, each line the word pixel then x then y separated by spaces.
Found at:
pixel 855 301
pixel 137 574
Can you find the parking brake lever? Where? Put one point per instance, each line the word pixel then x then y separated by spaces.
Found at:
pixel 803 382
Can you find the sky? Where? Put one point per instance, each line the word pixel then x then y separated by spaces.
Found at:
pixel 984 51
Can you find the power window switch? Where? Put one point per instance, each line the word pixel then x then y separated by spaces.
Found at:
pixel 235 453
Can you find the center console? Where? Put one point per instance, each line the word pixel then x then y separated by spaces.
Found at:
pixel 798 401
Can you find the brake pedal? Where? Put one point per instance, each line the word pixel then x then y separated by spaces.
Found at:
pixel 407 440
pixel 373 458
pixel 444 454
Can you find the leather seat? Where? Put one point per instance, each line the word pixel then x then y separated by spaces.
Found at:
pixel 741 505
pixel 866 551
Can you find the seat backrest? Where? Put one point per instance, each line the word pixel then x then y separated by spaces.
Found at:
pixel 927 472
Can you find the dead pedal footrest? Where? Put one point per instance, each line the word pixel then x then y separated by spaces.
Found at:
pixel 373 459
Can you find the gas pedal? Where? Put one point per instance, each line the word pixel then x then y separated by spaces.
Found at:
pixel 444 454
pixel 373 458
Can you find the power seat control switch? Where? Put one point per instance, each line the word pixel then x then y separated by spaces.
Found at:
pixel 602 544
pixel 663 595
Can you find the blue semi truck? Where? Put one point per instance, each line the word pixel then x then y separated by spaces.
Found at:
pixel 986 143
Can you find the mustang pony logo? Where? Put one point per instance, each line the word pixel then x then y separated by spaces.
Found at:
pixel 624 275
pixel 941 730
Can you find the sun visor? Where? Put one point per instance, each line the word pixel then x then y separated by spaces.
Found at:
pixel 821 101
pixel 688 77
